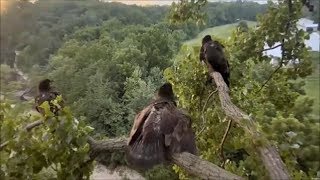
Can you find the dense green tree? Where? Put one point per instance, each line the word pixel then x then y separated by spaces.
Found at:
pixel 243 26
pixel 272 102
pixel 101 70
pixel 39 29
pixel 58 149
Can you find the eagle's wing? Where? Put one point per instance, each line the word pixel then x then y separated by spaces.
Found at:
pixel 138 124
pixel 177 130
pixel 158 130
pixel 145 147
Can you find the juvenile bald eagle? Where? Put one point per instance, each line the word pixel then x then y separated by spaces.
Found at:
pixel 159 130
pixel 46 93
pixel 212 52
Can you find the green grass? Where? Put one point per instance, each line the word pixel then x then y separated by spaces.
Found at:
pixel 313 83
pixel 223 32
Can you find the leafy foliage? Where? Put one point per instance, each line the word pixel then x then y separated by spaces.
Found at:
pixel 38 29
pixel 275 107
pixel 214 13
pixel 110 77
pixel 59 145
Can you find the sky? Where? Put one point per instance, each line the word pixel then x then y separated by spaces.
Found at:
pixel 166 2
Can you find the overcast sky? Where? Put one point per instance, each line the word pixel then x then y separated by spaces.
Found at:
pixel 167 2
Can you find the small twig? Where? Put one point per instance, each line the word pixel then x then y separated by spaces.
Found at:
pixel 29 127
pixel 272 47
pixel 202 112
pixel 282 44
pixel 222 143
pixel 271 75
pixel 3 145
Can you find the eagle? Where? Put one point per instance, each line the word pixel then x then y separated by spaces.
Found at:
pixel 47 93
pixel 160 130
pixel 212 52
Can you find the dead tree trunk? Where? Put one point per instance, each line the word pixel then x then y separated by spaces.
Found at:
pixel 269 155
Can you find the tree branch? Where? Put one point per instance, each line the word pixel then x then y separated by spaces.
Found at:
pixel 202 112
pixel 203 169
pixel 191 163
pixel 269 155
pixel 270 77
pixel 222 142
pixel 272 47
pixel 28 128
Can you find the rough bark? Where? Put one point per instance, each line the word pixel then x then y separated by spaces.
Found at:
pixel 203 169
pixel 108 145
pixel 268 153
pixel 191 163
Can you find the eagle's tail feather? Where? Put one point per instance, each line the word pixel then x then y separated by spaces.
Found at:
pixel 146 152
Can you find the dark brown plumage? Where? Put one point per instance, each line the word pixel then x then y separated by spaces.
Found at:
pixel 212 52
pixel 159 130
pixel 46 93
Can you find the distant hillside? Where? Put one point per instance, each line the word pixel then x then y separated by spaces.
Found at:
pixel 223 32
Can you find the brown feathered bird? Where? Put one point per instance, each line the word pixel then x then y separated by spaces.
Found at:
pixel 159 130
pixel 47 93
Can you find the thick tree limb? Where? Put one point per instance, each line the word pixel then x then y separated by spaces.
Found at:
pixel 269 155
pixel 203 169
pixel 191 163
pixel 108 145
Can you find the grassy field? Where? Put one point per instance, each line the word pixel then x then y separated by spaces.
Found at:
pixel 223 31
pixel 312 82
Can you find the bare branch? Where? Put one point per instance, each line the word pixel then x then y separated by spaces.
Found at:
pixel 222 142
pixel 270 77
pixel 29 127
pixel 108 145
pixel 203 169
pixel 202 112
pixel 269 155
pixel 3 145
